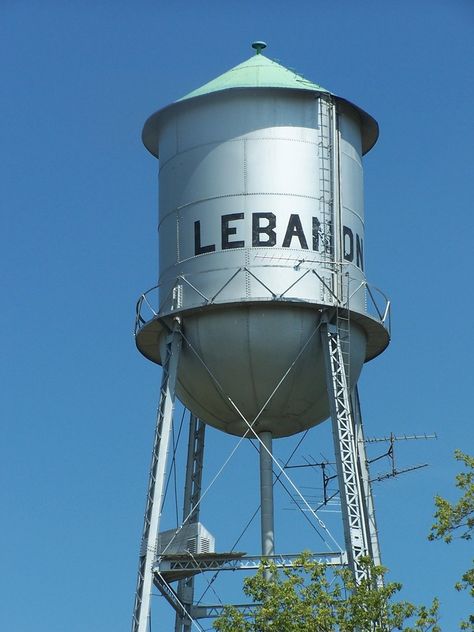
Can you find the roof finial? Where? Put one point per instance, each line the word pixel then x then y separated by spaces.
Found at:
pixel 259 46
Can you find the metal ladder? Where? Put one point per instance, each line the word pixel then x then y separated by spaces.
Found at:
pixel 326 193
pixel 344 332
pixel 356 500
pixel 343 322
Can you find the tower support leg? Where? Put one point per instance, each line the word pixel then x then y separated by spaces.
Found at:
pixel 154 501
pixel 266 495
pixel 353 505
pixel 192 496
pixel 374 549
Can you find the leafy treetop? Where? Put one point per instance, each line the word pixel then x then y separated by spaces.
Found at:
pixel 456 521
pixel 305 598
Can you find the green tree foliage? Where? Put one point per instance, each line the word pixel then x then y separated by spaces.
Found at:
pixel 311 598
pixel 456 521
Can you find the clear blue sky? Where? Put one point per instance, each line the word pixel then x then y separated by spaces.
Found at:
pixel 78 193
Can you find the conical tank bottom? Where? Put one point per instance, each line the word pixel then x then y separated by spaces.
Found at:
pixel 241 353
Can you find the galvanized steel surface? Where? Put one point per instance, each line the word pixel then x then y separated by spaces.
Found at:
pixel 261 229
pixel 239 355
pixel 240 187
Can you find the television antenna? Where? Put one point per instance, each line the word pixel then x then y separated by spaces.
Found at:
pixel 392 439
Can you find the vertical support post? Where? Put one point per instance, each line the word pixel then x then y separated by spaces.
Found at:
pixel 192 496
pixel 374 549
pixel 155 495
pixel 266 494
pixel 351 493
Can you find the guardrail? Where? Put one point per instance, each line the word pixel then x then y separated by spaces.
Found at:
pixel 144 310
pixel 377 304
pixel 381 304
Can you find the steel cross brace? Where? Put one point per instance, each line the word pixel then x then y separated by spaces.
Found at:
pixel 353 503
pixel 154 501
pixel 201 563
pixel 214 611
pixel 170 595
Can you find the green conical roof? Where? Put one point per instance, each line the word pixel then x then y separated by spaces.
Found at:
pixel 256 72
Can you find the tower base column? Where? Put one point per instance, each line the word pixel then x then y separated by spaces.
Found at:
pixel 266 494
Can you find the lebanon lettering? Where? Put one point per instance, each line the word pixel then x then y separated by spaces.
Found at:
pixel 265 233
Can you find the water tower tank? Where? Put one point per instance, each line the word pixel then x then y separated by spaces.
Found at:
pixel 261 235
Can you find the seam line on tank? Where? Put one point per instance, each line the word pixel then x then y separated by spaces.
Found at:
pixel 276 261
pixel 351 210
pixel 219 143
pixel 235 195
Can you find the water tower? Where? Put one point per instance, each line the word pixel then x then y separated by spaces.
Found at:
pixel 262 317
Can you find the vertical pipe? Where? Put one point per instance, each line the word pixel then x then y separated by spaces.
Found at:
pixel 266 493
